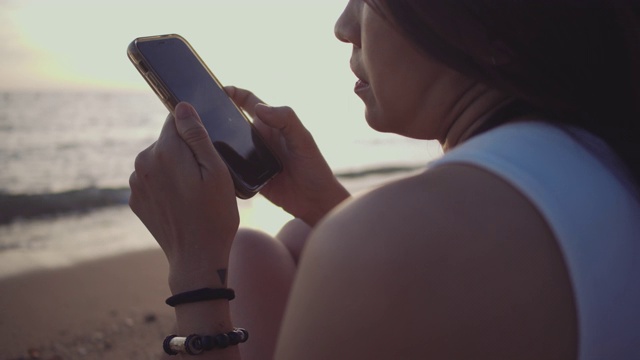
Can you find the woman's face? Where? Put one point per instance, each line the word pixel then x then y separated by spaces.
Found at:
pixel 404 91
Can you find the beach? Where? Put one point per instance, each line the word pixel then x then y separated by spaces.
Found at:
pixel 80 275
pixel 110 308
pixel 91 285
pixel 104 298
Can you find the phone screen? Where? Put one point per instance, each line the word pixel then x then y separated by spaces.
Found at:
pixel 185 78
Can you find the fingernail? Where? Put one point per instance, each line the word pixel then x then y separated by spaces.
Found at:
pixel 183 111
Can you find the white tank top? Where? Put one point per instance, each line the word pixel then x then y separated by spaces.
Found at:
pixel 593 213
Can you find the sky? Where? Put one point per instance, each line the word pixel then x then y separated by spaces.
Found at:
pixel 284 51
pixel 80 44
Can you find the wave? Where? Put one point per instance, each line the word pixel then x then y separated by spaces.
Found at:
pixel 21 206
pixel 381 170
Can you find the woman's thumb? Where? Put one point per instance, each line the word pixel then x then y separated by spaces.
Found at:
pixel 193 132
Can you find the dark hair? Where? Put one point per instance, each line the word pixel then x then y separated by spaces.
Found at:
pixel 575 61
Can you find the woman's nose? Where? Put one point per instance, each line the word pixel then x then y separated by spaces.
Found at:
pixel 347 28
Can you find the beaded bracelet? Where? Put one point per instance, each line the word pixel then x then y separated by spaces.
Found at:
pixel 197 344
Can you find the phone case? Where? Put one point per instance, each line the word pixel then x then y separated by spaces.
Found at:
pixel 246 182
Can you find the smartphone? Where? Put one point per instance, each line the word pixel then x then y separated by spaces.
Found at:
pixel 176 73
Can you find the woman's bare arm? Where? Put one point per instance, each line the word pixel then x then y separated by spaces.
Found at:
pixel 453 263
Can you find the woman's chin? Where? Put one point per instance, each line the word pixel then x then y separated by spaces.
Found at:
pixel 375 121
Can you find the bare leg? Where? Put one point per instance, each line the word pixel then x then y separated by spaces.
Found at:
pixel 261 271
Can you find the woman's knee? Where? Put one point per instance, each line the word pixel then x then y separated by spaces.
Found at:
pixel 294 236
pixel 254 253
pixel 261 271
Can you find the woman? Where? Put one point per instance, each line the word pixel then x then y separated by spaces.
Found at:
pixel 519 243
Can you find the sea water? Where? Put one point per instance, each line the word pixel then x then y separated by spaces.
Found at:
pixel 65 162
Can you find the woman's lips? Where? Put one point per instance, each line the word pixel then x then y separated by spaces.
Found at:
pixel 361 86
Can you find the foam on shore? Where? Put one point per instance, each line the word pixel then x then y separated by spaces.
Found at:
pixel 64 240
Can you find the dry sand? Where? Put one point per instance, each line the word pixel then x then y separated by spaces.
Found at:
pixel 111 308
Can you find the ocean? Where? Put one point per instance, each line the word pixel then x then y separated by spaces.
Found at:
pixel 65 163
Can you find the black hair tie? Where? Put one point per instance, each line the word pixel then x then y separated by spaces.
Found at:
pixel 204 294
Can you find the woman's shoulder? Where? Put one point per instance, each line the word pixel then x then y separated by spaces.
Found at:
pixel 441 255
pixel 452 200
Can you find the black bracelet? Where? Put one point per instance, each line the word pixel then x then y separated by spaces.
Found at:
pixel 203 294
pixel 196 344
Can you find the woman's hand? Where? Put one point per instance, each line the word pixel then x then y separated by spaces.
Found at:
pixel 307 188
pixel 183 193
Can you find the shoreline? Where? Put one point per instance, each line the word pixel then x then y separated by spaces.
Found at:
pixel 58 242
pixel 55 242
pixel 93 285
